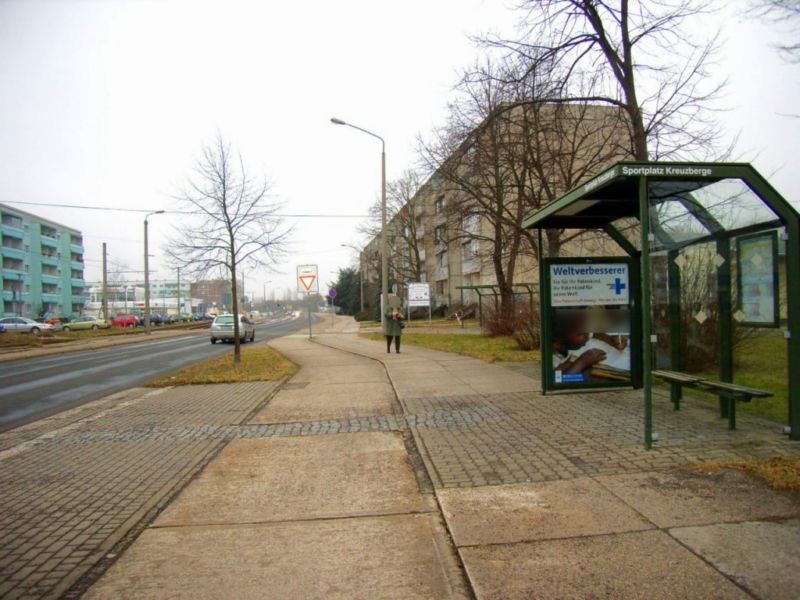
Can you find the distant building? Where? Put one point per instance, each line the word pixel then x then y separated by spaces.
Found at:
pixel 215 294
pixel 42 266
pixel 127 297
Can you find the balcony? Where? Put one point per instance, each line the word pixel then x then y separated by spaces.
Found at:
pixel 51 298
pixel 11 231
pixel 50 260
pixel 51 279
pixel 48 241
pixel 77 283
pixel 76 265
pixel 76 248
pixel 440 273
pixel 16 253
pixel 11 296
pixel 471 265
pixel 79 299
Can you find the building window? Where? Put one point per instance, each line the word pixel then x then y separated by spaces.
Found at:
pixel 441 259
pixel 438 234
pixel 440 287
pixel 12 221
pixel 469 223
pixel 469 249
pixel 438 206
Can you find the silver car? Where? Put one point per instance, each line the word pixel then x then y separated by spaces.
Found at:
pixel 222 329
pixel 23 325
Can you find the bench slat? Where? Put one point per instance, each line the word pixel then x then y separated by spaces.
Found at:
pixel 735 388
pixel 676 377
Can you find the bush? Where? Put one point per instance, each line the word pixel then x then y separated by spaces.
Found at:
pixel 522 323
pixel 364 315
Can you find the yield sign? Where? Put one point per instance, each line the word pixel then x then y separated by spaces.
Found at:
pixel 307 280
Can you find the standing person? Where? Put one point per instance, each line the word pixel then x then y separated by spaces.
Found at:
pixel 393 328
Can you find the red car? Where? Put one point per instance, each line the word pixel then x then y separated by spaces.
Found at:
pixel 125 321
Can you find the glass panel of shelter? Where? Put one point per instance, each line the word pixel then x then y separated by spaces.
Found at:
pixel 699 329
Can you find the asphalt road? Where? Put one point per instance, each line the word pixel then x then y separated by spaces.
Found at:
pixel 34 388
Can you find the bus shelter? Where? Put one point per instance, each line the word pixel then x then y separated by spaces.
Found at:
pixel 705 269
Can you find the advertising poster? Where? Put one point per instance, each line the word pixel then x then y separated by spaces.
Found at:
pixel 590 325
pixel 591 345
pixel 758 285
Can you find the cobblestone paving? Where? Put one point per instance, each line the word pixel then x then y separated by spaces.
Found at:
pixel 519 437
pixel 70 489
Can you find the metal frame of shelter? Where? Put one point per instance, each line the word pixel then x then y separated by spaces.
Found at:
pixel 683 208
pixel 495 292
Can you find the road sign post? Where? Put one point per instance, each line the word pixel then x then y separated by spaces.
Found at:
pixel 308 283
pixel 332 296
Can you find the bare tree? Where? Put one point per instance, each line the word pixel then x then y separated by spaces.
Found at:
pixel 232 222
pixel 632 54
pixel 784 13
pixel 404 216
pixel 505 153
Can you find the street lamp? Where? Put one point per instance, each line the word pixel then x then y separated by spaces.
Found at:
pixel 384 251
pixel 147 274
pixel 360 272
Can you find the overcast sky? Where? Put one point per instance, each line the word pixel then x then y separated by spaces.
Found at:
pixel 108 103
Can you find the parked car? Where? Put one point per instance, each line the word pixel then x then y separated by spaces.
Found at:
pixel 155 319
pixel 222 329
pixel 125 321
pixel 83 323
pixel 23 325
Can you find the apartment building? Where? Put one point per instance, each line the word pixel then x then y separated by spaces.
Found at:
pixel 451 237
pixel 42 266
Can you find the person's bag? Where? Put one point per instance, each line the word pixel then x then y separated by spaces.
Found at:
pixel 402 325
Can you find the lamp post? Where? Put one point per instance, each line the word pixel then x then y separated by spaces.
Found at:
pixel 384 251
pixel 360 273
pixel 147 274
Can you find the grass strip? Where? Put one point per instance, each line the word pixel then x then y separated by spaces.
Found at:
pixel 488 349
pixel 779 473
pixel 259 363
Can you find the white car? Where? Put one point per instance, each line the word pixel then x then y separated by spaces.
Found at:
pixel 222 329
pixel 23 325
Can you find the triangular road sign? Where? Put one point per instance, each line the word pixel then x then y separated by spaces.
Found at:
pixel 308 281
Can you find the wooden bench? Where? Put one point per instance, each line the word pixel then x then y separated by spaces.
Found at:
pixel 730 391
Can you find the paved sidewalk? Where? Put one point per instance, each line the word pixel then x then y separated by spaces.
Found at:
pixel 369 475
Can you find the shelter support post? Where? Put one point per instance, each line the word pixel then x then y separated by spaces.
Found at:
pixel 676 341
pixel 544 319
pixel 647 326
pixel 793 325
pixel 725 319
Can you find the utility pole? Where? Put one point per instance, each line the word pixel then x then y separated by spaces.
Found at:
pixel 179 291
pixel 105 283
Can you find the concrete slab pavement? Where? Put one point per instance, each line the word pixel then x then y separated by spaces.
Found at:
pixel 302 516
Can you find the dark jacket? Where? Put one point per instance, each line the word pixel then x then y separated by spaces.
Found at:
pixel 391 326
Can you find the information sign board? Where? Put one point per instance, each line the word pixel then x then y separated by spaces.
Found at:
pixel 419 294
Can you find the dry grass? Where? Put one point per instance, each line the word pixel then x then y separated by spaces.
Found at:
pixel 260 363
pixel 780 473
